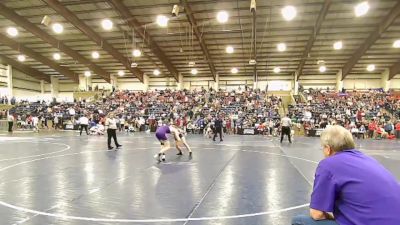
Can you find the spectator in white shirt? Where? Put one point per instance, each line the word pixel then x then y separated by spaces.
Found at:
pixel 10 119
pixel 122 124
pixel 35 123
pixel 55 121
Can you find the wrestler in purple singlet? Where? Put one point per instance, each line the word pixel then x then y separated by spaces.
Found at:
pixel 162 132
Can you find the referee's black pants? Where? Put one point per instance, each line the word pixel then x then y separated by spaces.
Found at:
pixel 10 126
pixel 111 133
pixel 218 130
pixel 84 126
pixel 285 131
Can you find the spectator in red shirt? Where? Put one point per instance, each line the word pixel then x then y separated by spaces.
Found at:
pixel 398 129
pixel 371 128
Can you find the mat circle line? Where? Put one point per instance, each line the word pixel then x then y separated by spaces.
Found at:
pixel 67 147
pixel 92 219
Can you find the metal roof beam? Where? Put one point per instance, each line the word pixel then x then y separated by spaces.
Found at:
pixel 89 32
pixel 192 21
pixel 35 30
pixel 373 37
pixel 34 55
pixel 25 69
pixel 156 50
pixel 394 70
pixel 313 37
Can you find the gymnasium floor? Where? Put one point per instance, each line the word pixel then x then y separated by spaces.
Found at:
pixel 66 179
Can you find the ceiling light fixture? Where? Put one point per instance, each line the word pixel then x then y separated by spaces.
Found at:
pixel 192 63
pixel 56 56
pixel 175 10
pixel 371 67
pixel 252 62
pixel 121 73
pixel 162 21
pixel 12 31
pixel 136 53
pixel 338 45
pixel 194 71
pixel 57 28
pixel 95 55
pixel 88 74
pixel 156 72
pixel 107 24
pixel 222 16
pixel 281 47
pixel 21 58
pixel 46 20
pixel 396 44
pixel 289 12
pixel 277 69
pixel 234 70
pixel 322 69
pixel 361 9
pixel 229 49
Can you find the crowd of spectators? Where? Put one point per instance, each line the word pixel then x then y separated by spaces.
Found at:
pixel 194 110
pixel 372 114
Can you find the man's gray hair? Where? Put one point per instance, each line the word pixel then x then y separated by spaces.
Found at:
pixel 338 138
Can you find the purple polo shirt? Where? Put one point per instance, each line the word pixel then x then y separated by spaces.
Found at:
pixel 357 189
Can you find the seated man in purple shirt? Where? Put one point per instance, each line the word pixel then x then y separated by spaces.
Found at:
pixel 351 188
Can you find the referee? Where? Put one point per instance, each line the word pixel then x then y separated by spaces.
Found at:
pixel 286 123
pixel 84 122
pixel 218 128
pixel 111 126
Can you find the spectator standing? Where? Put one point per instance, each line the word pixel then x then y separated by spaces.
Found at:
pixel 10 120
pixel 122 124
pixel 398 129
pixel 371 128
pixel 55 121
pixel 35 123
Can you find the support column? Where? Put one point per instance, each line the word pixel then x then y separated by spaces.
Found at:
pixel 9 75
pixel 295 84
pixel 180 82
pixel 84 83
pixel 216 83
pixel 114 81
pixel 42 87
pixel 146 82
pixel 89 83
pixel 255 85
pixel 339 82
pixel 385 82
pixel 55 88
